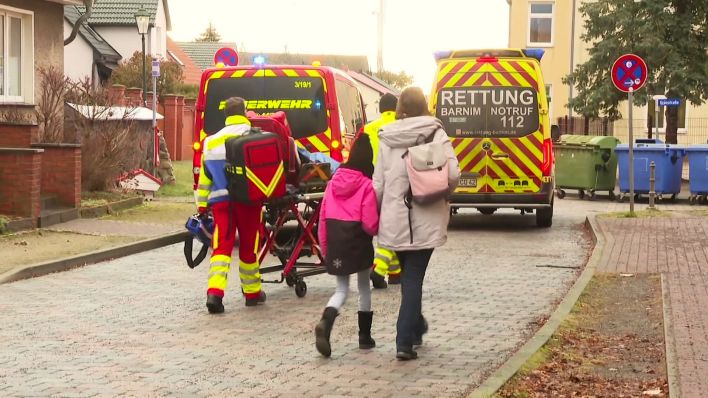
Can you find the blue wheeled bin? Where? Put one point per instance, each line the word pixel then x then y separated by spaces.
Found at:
pixel 669 163
pixel 697 173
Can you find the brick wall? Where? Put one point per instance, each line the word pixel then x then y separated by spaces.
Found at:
pixel 188 129
pixel 20 182
pixel 18 135
pixel 61 172
pixel 170 104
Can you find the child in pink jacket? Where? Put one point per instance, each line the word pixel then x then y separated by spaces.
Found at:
pixel 349 219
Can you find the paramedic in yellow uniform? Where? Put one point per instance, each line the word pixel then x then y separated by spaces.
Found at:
pixel 229 216
pixel 385 261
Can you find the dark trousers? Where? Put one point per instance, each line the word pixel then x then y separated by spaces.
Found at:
pixel 410 319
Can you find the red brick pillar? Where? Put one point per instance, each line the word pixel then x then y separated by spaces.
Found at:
pixel 170 103
pixel 18 135
pixel 20 182
pixel 133 96
pixel 188 130
pixel 118 95
pixel 180 136
pixel 61 172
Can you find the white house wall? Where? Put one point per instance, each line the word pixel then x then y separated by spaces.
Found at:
pixel 158 34
pixel 78 57
pixel 125 40
pixel 371 101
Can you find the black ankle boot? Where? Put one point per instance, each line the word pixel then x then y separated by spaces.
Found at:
pixel 365 340
pixel 378 281
pixel 323 330
pixel 214 304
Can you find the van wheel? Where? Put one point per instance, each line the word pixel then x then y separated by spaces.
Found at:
pixel 544 217
pixel 487 211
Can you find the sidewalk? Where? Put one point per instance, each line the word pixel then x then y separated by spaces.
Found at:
pixel 674 247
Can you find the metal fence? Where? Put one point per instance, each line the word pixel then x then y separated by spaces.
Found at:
pixel 694 132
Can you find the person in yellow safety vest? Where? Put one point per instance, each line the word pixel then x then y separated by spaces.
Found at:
pixel 229 216
pixel 385 261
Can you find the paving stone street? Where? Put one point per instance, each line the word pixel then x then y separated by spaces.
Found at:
pixel 137 326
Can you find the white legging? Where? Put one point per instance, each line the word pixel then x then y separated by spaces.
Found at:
pixel 340 295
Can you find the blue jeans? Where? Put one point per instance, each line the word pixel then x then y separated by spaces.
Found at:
pixel 410 318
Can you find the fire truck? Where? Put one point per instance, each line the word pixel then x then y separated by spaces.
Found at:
pixel 323 105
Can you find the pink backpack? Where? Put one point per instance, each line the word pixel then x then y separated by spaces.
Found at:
pixel 426 164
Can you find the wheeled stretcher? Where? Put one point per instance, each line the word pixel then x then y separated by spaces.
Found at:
pixel 288 231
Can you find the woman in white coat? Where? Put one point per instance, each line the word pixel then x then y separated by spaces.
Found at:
pixel 412 241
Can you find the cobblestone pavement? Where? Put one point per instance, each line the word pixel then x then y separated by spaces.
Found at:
pixel 138 326
pixel 675 247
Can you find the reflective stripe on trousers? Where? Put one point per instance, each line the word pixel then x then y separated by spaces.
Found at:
pixel 218 273
pixel 250 277
pixel 386 262
pixel 230 217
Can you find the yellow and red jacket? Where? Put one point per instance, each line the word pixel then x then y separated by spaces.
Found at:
pixel 372 129
pixel 213 184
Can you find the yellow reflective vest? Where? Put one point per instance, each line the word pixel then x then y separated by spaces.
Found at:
pixel 372 129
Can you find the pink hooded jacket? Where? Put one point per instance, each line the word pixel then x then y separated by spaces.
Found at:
pixel 349 219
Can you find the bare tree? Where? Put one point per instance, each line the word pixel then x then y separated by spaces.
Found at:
pixel 83 18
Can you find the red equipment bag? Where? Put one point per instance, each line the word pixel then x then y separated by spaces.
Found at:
pixel 278 123
pixel 255 167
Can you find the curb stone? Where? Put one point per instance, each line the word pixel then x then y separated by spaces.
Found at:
pixel 102 210
pixel 94 257
pixel 509 368
pixel 669 341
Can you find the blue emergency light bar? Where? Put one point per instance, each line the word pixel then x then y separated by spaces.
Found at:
pixel 534 53
pixel 259 60
pixel 438 55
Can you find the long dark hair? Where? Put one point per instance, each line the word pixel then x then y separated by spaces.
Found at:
pixel 361 156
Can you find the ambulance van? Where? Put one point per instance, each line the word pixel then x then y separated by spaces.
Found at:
pixel 323 105
pixel 494 108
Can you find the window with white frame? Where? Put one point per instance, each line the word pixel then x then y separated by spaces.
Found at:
pixel 541 24
pixel 15 55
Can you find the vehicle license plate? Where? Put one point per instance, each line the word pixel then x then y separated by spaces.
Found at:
pixel 468 182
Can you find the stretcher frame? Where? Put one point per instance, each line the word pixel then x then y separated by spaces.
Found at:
pixel 292 270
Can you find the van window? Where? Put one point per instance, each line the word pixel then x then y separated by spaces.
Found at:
pixel 350 108
pixel 301 98
pixel 488 111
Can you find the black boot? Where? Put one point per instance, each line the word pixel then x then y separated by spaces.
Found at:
pixel 365 340
pixel 422 329
pixel 252 302
pixel 378 281
pixel 323 330
pixel 214 304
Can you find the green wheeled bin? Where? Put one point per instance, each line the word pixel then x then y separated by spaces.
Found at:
pixel 586 163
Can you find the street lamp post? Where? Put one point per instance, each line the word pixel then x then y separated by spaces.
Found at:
pixel 142 20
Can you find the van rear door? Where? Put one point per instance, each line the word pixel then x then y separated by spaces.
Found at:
pixel 300 95
pixel 490 109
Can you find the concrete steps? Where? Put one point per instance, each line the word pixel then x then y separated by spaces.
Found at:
pixel 53 212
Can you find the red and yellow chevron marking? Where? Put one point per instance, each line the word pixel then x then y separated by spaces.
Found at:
pixel 523 163
pixel 317 143
pixel 516 73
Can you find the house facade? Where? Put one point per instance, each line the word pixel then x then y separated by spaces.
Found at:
pixel 36 176
pixel 111 30
pixel 31 35
pixel 557 27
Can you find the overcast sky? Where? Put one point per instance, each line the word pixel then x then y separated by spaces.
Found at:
pixel 413 29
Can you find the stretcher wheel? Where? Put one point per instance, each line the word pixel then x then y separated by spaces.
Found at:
pixel 560 193
pixel 612 195
pixel 300 288
pixel 290 280
pixel 581 194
